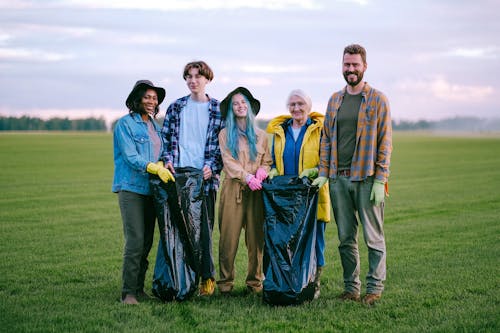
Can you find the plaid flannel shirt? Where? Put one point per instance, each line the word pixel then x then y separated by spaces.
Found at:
pixel 170 136
pixel 372 153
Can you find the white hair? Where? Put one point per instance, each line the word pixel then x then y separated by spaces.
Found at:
pixel 300 93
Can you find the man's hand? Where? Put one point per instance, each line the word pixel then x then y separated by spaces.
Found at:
pixel 170 167
pixel 207 172
pixel 319 182
pixel 378 192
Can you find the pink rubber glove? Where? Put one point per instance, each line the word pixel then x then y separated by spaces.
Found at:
pixel 253 183
pixel 261 174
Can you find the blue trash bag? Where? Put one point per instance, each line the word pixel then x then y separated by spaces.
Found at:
pixel 289 263
pixel 181 211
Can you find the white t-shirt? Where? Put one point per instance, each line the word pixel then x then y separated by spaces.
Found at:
pixel 296 132
pixel 193 134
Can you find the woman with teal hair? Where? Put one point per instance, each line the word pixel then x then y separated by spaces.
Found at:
pixel 247 160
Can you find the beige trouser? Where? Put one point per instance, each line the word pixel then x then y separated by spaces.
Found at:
pixel 240 208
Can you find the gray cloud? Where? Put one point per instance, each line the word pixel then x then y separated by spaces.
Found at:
pixel 432 59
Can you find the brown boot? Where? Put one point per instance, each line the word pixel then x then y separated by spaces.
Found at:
pixel 348 296
pixel 370 299
pixel 317 282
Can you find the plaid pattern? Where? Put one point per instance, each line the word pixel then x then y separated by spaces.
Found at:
pixel 170 136
pixel 373 150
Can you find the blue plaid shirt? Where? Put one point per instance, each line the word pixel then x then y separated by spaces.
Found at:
pixel 170 136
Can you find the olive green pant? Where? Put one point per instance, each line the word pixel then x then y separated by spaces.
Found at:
pixel 352 206
pixel 138 216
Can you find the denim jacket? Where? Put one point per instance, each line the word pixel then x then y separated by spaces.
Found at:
pixel 132 150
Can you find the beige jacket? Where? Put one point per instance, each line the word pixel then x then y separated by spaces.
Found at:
pixel 242 167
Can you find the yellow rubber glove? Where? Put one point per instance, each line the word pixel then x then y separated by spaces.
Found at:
pixel 309 173
pixel 319 182
pixel 378 192
pixel 162 172
pixel 272 173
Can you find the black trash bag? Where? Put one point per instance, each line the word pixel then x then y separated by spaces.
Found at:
pixel 180 209
pixel 289 262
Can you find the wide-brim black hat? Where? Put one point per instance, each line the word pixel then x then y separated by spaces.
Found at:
pixel 146 84
pixel 224 105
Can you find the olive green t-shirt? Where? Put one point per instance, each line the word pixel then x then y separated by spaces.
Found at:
pixel 347 124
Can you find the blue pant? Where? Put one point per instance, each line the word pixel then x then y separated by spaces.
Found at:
pixel 350 202
pixel 320 243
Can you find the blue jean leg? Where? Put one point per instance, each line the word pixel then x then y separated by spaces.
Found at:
pixel 320 243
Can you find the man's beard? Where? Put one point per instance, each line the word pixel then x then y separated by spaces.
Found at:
pixel 359 76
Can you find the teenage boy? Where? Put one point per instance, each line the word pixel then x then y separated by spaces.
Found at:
pixel 191 139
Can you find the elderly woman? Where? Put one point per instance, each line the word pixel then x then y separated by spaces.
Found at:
pixel 295 151
pixel 137 146
pixel 247 160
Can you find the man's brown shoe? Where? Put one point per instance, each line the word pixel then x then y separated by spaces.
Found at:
pixel 253 290
pixel 370 299
pixel 347 296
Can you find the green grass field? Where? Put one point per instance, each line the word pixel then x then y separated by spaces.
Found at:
pixel 61 247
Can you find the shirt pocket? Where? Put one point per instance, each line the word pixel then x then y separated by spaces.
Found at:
pixel 142 145
pixel 371 118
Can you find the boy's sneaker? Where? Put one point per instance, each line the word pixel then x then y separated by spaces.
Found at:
pixel 207 287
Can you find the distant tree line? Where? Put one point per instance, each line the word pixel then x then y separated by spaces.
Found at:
pixel 26 123
pixel 466 124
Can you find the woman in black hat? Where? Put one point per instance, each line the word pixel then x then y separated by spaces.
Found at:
pixel 247 160
pixel 136 147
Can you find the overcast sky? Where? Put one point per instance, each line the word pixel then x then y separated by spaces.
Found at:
pixel 433 59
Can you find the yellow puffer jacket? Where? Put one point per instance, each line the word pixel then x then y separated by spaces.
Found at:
pixel 309 154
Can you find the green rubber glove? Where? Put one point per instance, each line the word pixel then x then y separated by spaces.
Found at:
pixel 162 172
pixel 309 173
pixel 272 173
pixel 319 182
pixel 378 192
